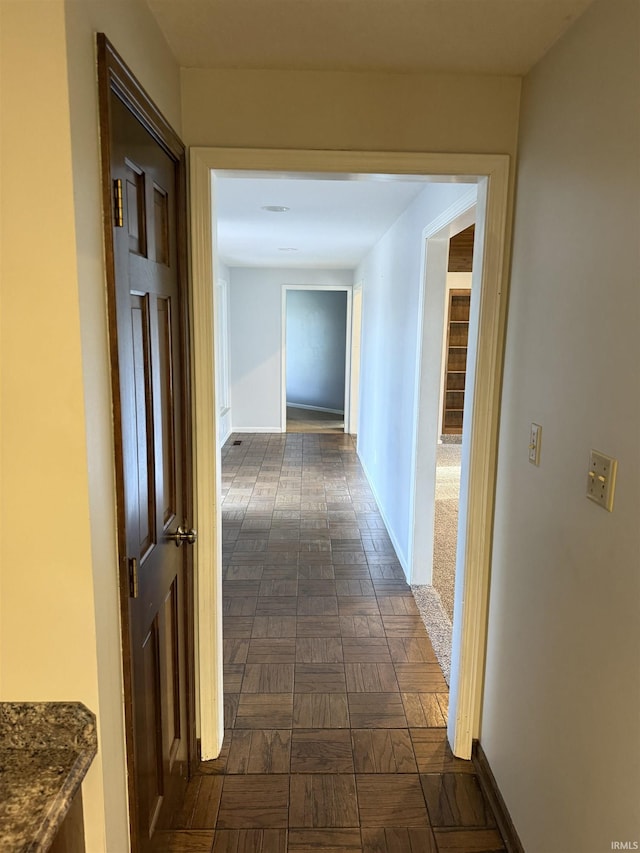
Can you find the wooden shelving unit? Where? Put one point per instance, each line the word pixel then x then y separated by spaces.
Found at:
pixel 455 370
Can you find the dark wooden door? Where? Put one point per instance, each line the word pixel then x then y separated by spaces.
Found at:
pixel 152 431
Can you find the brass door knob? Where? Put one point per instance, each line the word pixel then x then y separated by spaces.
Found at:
pixel 183 535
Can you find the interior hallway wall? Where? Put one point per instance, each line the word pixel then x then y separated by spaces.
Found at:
pixel 59 621
pixel 560 722
pixel 255 340
pixel 316 348
pixel 392 279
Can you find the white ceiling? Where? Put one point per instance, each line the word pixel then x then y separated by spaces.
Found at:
pixel 332 221
pixel 458 36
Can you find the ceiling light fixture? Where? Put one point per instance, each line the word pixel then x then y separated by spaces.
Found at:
pixel 275 208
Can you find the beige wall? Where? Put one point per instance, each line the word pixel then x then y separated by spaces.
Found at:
pixel 560 718
pixel 59 615
pixel 48 643
pixel 350 111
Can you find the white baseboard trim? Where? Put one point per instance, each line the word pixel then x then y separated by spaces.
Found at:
pixel 257 429
pixel 315 408
pixel 401 559
pixel 224 437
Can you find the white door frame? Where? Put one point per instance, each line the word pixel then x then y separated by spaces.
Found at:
pixel 469 646
pixel 343 288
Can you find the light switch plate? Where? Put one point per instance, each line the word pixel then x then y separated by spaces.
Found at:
pixel 601 480
pixel 535 438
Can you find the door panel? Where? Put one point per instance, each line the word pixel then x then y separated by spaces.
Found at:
pixel 151 391
pixel 143 479
pixel 150 752
pixel 135 209
pixel 165 371
pixel 161 224
pixel 171 677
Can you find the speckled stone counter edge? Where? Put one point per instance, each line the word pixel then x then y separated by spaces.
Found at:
pixel 49 726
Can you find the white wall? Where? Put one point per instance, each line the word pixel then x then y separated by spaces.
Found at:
pixel 256 341
pixel 561 723
pixel 316 329
pixel 60 616
pixel 392 277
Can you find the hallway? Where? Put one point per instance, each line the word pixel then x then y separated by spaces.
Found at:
pixel 335 706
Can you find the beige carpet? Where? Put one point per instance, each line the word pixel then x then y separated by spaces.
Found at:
pixel 307 420
pixel 446 523
pixel 435 602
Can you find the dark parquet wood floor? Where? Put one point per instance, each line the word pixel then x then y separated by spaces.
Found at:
pixel 335 706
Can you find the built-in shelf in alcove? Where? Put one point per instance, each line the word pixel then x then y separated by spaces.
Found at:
pixel 455 370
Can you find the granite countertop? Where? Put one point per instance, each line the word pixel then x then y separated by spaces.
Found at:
pixel 46 749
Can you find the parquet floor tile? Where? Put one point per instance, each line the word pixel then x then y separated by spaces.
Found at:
pixel 322 751
pixel 388 800
pixel 323 800
pixel 398 840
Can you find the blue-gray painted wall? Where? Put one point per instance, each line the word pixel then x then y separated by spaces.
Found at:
pixel 316 340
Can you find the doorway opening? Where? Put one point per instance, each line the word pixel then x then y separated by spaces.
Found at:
pixel 455 365
pixel 491 180
pixel 436 597
pixel 316 358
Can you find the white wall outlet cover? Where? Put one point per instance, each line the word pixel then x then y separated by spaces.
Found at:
pixel 601 479
pixel 535 439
